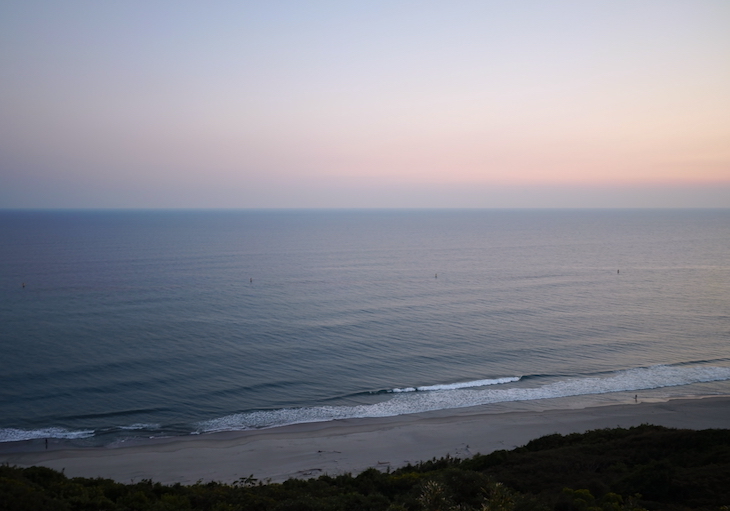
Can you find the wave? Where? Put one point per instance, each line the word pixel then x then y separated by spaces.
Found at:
pixel 134 427
pixel 460 385
pixel 449 397
pixel 16 435
pixel 416 400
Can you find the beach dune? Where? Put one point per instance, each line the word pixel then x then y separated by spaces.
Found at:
pixel 353 445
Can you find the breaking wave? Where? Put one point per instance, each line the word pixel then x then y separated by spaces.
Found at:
pixel 460 385
pixel 461 395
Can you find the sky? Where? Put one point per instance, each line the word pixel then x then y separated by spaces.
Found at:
pixel 364 104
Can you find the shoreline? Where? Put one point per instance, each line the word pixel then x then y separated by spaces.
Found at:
pixel 353 445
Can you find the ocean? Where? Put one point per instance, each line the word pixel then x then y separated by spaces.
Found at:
pixel 123 325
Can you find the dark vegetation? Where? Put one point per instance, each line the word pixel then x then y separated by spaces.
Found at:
pixel 647 467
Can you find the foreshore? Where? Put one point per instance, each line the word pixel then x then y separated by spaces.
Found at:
pixel 353 445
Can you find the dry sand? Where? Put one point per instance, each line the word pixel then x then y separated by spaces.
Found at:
pixel 337 447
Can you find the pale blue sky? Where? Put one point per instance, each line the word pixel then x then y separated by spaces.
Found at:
pixel 365 104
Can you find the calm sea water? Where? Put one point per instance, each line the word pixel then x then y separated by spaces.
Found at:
pixel 147 323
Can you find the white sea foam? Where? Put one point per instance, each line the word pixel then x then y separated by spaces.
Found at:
pixel 459 385
pixel 460 397
pixel 15 435
pixel 133 427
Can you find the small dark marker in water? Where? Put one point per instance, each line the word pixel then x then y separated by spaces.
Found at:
pixel 251 279
pixel 618 271
pixel 436 276
pixel 23 284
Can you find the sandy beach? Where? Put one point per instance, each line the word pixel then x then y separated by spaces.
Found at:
pixel 308 450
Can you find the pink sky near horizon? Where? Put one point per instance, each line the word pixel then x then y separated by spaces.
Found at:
pixel 379 104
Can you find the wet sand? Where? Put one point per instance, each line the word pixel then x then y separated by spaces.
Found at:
pixel 353 445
